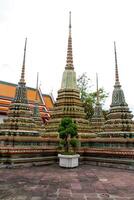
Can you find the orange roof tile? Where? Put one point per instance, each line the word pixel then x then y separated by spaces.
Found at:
pixel 3 108
pixel 4 101
pixel 7 90
pixel 31 95
pixel 48 101
pixel 7 93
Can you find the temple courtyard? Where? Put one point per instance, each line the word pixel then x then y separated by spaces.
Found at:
pixel 54 183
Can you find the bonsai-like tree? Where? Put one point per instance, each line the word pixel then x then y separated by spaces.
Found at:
pixel 68 133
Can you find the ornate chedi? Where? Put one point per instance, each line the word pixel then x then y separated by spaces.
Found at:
pixel 68 101
pixel 20 121
pixel 114 146
pixel 97 120
pixel 20 135
pixel 119 120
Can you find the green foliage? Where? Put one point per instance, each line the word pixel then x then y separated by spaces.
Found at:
pixel 83 85
pixel 61 144
pixel 67 129
pixel 74 142
pixel 102 96
pixel 89 98
pixel 68 153
pixel 105 112
pixel 88 107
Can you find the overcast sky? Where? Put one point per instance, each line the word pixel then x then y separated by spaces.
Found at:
pixel 95 25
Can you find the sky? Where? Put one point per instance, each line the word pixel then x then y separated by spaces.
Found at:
pixel 95 26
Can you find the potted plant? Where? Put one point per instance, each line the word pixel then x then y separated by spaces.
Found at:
pixel 68 135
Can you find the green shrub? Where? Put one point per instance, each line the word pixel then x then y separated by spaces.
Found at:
pixel 74 143
pixel 67 130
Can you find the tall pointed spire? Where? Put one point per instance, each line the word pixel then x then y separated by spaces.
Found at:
pixel 69 75
pixel 119 117
pixel 118 98
pixel 68 103
pixel 22 79
pixel 70 25
pixel 69 62
pixel 36 110
pixel 97 120
pixel 37 87
pixel 116 67
pixel 21 90
pixel 97 89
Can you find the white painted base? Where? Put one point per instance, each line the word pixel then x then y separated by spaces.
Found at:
pixel 68 161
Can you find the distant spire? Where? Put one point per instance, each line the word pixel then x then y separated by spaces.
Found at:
pixel 37 87
pixel 69 62
pixel 22 79
pixel 97 90
pixel 116 66
pixel 36 112
pixel 70 26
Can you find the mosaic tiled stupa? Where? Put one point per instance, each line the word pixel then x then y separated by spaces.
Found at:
pixel 119 120
pixel 97 120
pixel 114 145
pixel 20 121
pixel 68 103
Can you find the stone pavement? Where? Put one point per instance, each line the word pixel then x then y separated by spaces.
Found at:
pixel 54 183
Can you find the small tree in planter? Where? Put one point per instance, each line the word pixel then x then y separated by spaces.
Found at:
pixel 68 133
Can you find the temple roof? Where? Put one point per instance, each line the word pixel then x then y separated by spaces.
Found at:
pixel 7 93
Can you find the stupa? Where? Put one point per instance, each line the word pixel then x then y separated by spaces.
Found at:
pixel 68 103
pixel 20 122
pixel 114 145
pixel 119 120
pixel 97 120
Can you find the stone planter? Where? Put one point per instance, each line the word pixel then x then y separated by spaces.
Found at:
pixel 68 161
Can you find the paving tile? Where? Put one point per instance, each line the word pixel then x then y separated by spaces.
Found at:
pixel 78 196
pixel 76 186
pixel 55 183
pixel 64 190
pixel 122 198
pixel 91 195
pixel 50 198
pixel 36 198
pixel 21 197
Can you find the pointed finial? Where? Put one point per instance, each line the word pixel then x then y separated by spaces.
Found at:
pixel 69 63
pixel 70 26
pixel 37 87
pixel 97 89
pixel 116 66
pixel 22 79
